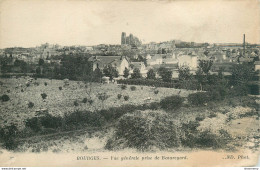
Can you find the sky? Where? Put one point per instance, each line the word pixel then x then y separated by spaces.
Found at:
pixel 28 23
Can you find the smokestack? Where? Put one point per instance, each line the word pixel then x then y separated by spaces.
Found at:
pixel 244 45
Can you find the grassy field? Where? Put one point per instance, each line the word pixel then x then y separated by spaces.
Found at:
pixel 62 101
pixel 236 116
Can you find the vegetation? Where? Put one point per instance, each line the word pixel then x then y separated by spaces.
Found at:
pixel 136 74
pixel 151 74
pixel 171 102
pixel 5 98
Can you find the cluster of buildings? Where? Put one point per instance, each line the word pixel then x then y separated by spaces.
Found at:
pixel 169 54
pixel 130 40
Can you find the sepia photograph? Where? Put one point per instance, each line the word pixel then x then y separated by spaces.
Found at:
pixel 162 83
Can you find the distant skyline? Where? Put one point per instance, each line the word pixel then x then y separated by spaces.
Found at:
pixel 30 23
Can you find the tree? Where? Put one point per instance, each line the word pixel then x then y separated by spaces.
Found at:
pixel 184 73
pixel 136 74
pixel 165 74
pixel 202 74
pixel 151 74
pixel 41 62
pixel 126 73
pixel 97 75
pixel 205 65
pixel 242 73
pixel 110 72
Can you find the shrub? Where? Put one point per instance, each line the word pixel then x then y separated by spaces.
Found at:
pixel 198 98
pixel 123 87
pixel 133 88
pixel 119 96
pixel 171 102
pixel 126 98
pixel 60 88
pixel 30 104
pixel 44 95
pixel 212 115
pixel 45 83
pixel 156 91
pixel 85 100
pixel 8 134
pixel 138 131
pixel 200 118
pixel 90 102
pixel 193 138
pixel 75 103
pixel 22 90
pixel 27 84
pixel 5 98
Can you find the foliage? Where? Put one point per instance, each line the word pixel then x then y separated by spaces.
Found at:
pixel 126 98
pixel 184 73
pixel 45 83
pixel 171 102
pixel 8 137
pixel 44 95
pixel 143 131
pixel 119 96
pixel 60 88
pixel 97 75
pixel 126 73
pixel 198 98
pixel 85 100
pixel 150 82
pixel 136 74
pixel 151 74
pixel 41 62
pixel 5 98
pixel 156 91
pixel 242 73
pixel 133 88
pixel 76 103
pixel 110 72
pixel 30 105
pixel 165 74
pixel 123 86
pixel 205 65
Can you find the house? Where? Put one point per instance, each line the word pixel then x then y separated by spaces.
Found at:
pixel 119 62
pixel 140 66
pixel 190 60
pixel 155 59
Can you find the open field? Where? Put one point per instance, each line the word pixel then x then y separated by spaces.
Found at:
pixel 235 116
pixel 59 102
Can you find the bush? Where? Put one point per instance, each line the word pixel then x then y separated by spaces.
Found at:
pixel 5 98
pixel 45 83
pixel 119 96
pixel 198 98
pixel 126 98
pixel 138 131
pixel 212 115
pixel 30 105
pixel 171 102
pixel 60 88
pixel 75 103
pixel 193 138
pixel 90 102
pixel 123 87
pixel 44 95
pixel 133 88
pixel 156 91
pixel 85 100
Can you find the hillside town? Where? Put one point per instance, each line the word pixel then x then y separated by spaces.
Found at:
pixel 132 54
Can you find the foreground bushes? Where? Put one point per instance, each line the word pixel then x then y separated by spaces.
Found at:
pixel 143 131
pixel 153 129
pixel 171 102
